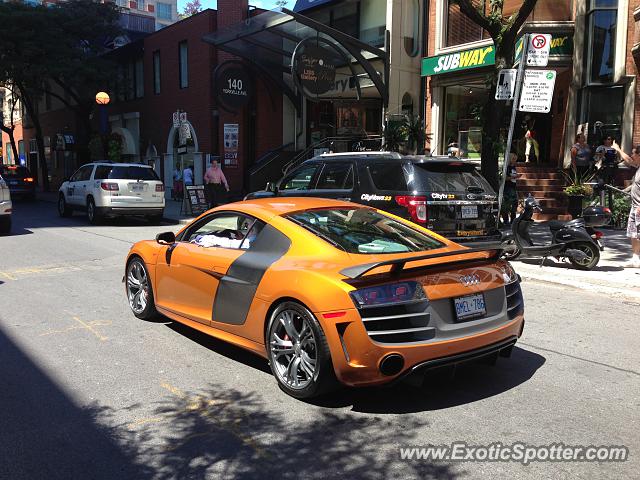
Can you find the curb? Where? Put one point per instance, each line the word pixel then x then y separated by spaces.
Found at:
pixel 620 291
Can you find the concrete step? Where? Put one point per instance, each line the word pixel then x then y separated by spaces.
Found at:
pixel 541 176
pixel 544 193
pixel 540 181
pixel 523 167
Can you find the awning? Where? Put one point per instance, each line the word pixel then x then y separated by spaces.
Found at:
pixel 273 43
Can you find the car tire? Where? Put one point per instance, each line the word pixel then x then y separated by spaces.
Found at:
pixel 304 369
pixel 64 210
pixel 154 219
pixel 139 290
pixel 93 215
pixel 5 224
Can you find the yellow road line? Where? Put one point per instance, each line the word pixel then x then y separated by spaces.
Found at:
pixel 91 329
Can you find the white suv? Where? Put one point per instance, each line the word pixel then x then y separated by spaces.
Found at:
pixel 5 207
pixel 106 189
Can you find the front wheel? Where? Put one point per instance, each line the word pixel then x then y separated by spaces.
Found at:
pixel 139 292
pixel 64 210
pixel 298 352
pixel 5 224
pixel 592 256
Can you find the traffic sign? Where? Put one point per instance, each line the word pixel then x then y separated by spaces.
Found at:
pixel 506 84
pixel 176 119
pixel 539 48
pixel 537 91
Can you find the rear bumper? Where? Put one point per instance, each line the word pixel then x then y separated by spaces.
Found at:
pixel 123 211
pixel 17 190
pixel 6 207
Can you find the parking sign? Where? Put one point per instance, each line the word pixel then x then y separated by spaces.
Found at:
pixel 539 47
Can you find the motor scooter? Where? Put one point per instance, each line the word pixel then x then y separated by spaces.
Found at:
pixel 574 240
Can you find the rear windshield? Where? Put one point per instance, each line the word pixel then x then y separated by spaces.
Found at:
pixel 448 177
pixel 14 172
pixel 117 172
pixel 363 230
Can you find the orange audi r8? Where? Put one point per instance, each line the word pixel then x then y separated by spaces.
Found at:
pixel 329 290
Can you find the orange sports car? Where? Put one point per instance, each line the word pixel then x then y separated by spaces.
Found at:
pixel 329 290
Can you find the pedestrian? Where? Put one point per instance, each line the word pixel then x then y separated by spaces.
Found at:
pixel 532 148
pixel 177 183
pixel 607 159
pixel 510 199
pixel 187 176
pixel 215 185
pixel 633 226
pixel 581 155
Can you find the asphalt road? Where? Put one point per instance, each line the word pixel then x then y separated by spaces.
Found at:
pixel 89 391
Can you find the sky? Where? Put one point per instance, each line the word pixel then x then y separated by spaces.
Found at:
pixel 268 4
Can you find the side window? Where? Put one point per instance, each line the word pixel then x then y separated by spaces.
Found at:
pixel 226 230
pixel 300 179
pixel 76 175
pixel 388 176
pixel 336 176
pixel 252 235
pixel 85 172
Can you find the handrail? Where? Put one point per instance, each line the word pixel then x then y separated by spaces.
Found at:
pixel 304 153
pixel 267 157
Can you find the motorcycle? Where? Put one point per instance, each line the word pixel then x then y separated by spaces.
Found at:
pixel 575 240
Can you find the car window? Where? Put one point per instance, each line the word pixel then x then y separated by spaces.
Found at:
pixel 363 230
pixel 252 235
pixel 336 176
pixel 300 179
pixel 85 173
pixel 448 177
pixel 388 176
pixel 12 171
pixel 220 230
pixel 120 172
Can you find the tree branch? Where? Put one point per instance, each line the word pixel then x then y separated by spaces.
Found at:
pixel 515 23
pixel 471 12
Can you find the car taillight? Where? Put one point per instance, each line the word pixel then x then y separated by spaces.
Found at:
pixel 28 179
pixel 597 235
pixel 391 293
pixel 110 186
pixel 159 187
pixel 416 206
pixel 606 210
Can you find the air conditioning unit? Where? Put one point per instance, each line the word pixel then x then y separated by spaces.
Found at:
pixel 151 8
pixel 133 5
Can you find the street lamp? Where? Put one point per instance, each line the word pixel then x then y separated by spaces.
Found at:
pixel 102 99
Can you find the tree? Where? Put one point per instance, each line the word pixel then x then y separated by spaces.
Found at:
pixel 504 32
pixel 58 51
pixel 281 3
pixel 191 8
pixel 9 127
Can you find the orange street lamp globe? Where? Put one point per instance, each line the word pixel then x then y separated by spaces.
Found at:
pixel 102 98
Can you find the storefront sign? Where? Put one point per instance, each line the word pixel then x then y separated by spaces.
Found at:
pixel 560 45
pixel 231 135
pixel 233 85
pixel 537 91
pixel 453 62
pixel 197 199
pixel 316 69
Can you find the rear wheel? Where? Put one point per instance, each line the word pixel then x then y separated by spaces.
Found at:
pixel 92 212
pixel 139 292
pixel 298 352
pixel 64 210
pixel 511 251
pixel 592 256
pixel 5 224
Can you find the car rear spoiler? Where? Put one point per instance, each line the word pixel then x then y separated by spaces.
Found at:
pixel 397 265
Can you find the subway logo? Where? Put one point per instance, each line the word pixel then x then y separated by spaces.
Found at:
pixel 470 58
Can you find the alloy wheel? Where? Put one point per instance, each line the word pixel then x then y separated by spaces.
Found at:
pixel 137 287
pixel 294 352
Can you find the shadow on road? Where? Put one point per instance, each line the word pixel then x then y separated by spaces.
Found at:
pixel 44 434
pixel 567 266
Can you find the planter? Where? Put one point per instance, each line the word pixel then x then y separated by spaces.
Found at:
pixel 575 205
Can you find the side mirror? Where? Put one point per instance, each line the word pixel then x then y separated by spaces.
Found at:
pixel 166 238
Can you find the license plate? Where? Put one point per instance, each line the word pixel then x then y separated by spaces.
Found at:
pixel 471 306
pixel 469 211
pixel 13 182
pixel 137 187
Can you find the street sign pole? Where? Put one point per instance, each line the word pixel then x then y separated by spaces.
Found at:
pixel 514 112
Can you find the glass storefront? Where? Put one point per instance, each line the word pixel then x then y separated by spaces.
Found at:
pixel 462 128
pixel 356 119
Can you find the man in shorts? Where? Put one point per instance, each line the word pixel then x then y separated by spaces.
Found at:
pixel 633 226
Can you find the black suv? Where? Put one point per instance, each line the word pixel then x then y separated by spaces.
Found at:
pixel 444 194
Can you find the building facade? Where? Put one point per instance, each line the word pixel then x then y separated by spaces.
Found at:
pixel 595 92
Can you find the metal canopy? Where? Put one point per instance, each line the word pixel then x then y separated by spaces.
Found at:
pixel 268 42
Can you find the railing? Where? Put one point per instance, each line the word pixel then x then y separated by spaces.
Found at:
pixel 137 23
pixel 267 158
pixel 336 145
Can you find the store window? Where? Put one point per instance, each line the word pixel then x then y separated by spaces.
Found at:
pixel 462 129
pixel 603 109
pixel 601 40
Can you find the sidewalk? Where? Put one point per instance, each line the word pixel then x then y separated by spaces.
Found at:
pixel 609 277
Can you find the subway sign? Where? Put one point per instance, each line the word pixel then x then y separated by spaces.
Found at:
pixel 561 45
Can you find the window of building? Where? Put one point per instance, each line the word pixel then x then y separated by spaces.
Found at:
pixel 373 22
pixel 156 72
pixel 8 152
pixel 603 111
pixel 20 150
pixel 411 27
pixel 139 73
pixel 344 17
pixel 183 60
pixel 462 129
pixel 601 40
pixel 460 29
pixel 163 11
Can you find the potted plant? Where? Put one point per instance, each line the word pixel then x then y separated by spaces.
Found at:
pixel 416 135
pixel 577 189
pixel 395 135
